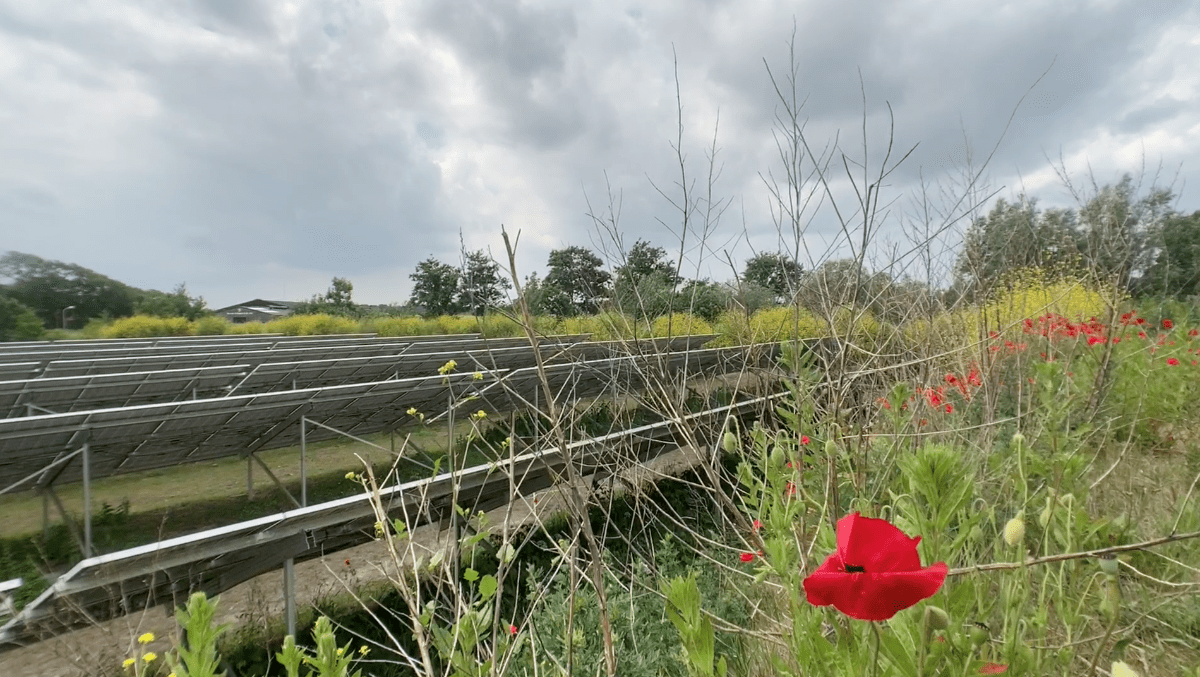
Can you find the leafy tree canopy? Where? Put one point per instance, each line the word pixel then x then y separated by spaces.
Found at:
pixel 17 322
pixel 774 271
pixel 645 260
pixel 481 284
pixel 48 287
pixel 435 287
pixel 576 282
pixel 337 300
pixel 176 304
pixel 1176 268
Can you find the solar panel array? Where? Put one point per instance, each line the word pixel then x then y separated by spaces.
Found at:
pixel 83 386
pixel 213 561
pixel 129 439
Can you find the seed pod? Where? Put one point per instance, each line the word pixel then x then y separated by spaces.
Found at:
pixel 1014 531
pixel 1109 565
pixel 730 443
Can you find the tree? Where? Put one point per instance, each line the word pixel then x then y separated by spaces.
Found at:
pixel 1012 236
pixel 18 322
pixel 774 271
pixel 703 298
pixel 176 304
pixel 47 287
pixel 645 260
pixel 578 276
pixel 337 300
pixel 546 299
pixel 1176 268
pixel 1115 231
pixel 435 287
pixel 645 284
pixel 480 284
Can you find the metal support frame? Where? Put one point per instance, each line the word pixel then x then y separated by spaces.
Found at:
pixel 274 478
pixel 289 594
pixel 72 527
pixel 87 499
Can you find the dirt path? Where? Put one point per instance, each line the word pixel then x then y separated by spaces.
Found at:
pixel 86 652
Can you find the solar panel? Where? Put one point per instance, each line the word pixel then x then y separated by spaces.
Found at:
pixel 130 439
pixel 215 560
pixel 90 366
pixel 56 395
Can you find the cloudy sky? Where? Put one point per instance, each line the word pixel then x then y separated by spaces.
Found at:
pixel 257 148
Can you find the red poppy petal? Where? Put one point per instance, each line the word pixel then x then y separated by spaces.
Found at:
pixel 993 669
pixel 876 545
pixel 874 597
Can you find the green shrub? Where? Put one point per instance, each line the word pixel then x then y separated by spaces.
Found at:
pixel 247 328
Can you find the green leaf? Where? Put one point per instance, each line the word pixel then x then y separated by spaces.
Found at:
pixel 470 575
pixel 488 586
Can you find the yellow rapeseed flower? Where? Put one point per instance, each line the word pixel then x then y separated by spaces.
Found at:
pixel 149 656
pixel 481 414
pixel 478 376
pixel 412 411
pixel 447 368
pixel 146 638
pixel 1122 669
pixel 364 650
pixel 128 663
pixel 350 475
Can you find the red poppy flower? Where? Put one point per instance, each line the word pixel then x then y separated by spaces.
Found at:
pixel 993 669
pixel 1141 320
pixel 1194 332
pixel 512 629
pixel 757 525
pixel 1167 324
pixel 1173 361
pixel 804 439
pixel 949 408
pixel 747 556
pixel 875 572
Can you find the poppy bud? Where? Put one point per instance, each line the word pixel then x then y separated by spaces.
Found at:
pixel 730 442
pixel 777 459
pixel 936 618
pixel 980 635
pixel 830 447
pixel 1014 531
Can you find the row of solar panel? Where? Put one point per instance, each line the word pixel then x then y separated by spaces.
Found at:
pixel 166 340
pixel 213 561
pixel 55 352
pixel 92 385
pixel 41 449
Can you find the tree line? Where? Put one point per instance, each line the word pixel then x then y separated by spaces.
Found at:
pixel 1118 238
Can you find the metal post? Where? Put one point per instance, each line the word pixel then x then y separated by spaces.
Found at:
pixel 249 479
pixel 45 514
pixel 87 499
pixel 289 594
pixel 303 467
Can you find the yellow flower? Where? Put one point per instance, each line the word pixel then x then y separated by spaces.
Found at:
pixel 1014 531
pixel 447 368
pixel 340 651
pixel 480 415
pixel 1122 669
pixel 364 650
pixel 146 638
pixel 149 656
pixel 412 411
pixel 128 663
pixel 350 475
pixel 478 376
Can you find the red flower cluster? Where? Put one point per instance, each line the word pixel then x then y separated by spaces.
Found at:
pixel 874 573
